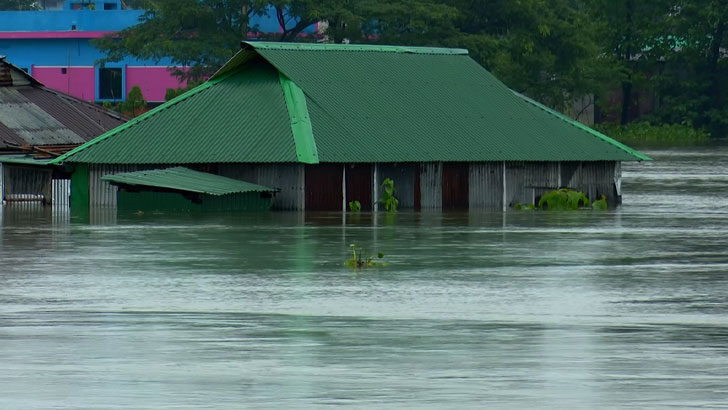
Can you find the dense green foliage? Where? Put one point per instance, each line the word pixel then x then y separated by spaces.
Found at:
pixel 563 199
pixel 661 61
pixel 133 106
pixel 645 134
pixel 18 5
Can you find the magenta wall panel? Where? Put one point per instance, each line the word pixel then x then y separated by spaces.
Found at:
pixel 80 82
pixel 153 81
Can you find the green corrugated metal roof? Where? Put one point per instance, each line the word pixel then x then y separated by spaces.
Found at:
pixel 583 127
pixel 185 179
pixel 24 160
pixel 239 117
pixel 364 104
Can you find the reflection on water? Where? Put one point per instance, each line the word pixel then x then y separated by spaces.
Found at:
pixel 624 309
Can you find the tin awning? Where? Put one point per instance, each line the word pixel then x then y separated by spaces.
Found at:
pixel 185 179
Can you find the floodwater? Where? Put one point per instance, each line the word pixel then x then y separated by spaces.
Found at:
pixel 527 310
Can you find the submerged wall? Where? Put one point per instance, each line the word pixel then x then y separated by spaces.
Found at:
pixel 493 186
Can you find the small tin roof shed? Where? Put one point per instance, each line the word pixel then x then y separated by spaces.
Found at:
pixel 317 103
pixel 185 179
pixel 38 120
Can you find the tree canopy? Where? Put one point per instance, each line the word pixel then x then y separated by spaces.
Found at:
pixel 661 61
pixel 9 5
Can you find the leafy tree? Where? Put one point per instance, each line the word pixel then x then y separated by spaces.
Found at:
pixel 547 49
pixel 634 40
pixel 134 105
pixel 18 5
pixel 174 93
pixel 201 34
pixel 692 84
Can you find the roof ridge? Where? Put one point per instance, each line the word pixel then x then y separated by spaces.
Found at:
pixel 269 45
pixel 583 127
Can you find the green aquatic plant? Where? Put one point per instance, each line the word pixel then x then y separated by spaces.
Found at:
pixel 389 200
pixel 355 206
pixel 600 204
pixel 359 258
pixel 563 199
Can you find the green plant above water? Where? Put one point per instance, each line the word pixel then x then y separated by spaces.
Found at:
pixel 359 258
pixel 564 199
pixel 600 204
pixel 389 200
pixel 355 206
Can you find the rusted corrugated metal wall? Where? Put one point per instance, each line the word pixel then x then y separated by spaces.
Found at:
pixel 431 185
pixel 289 178
pixel 486 185
pixel 324 187
pixel 101 193
pixel 359 185
pixel 593 178
pixel 403 176
pixel 455 185
pixel 27 184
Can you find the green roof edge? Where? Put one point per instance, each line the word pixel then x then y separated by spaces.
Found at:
pixel 119 179
pixel 639 156
pixel 301 128
pixel 142 117
pixel 268 45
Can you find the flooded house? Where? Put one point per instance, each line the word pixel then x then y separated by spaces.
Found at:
pixel 38 124
pixel 325 124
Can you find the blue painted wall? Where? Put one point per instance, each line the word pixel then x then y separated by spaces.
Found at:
pixel 59 52
pixel 75 52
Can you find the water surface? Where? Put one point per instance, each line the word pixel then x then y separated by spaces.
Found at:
pixel 619 309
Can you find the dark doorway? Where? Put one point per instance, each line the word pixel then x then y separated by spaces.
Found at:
pixel 455 189
pixel 359 185
pixel 323 187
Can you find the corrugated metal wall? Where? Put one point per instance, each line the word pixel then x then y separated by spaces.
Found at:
pixel 403 176
pixel 431 185
pixel 455 185
pixel 27 184
pixel 486 185
pixel 289 178
pixel 61 193
pixel 593 178
pixel 526 182
pixel 359 185
pixel 2 184
pixel 324 187
pixel 101 193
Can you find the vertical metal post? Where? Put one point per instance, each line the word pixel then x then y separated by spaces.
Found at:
pixel 505 191
pixel 2 185
pixel 343 188
pixel 375 187
pixel 560 175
